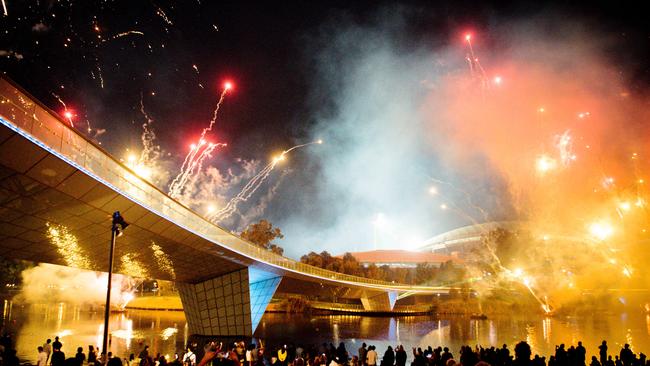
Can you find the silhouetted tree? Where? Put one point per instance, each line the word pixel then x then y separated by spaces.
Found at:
pixel 262 234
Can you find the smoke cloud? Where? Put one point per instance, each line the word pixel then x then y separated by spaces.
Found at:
pixel 49 283
pixel 540 129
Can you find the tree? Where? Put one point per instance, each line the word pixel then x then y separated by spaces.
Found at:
pixel 262 234
pixel 11 270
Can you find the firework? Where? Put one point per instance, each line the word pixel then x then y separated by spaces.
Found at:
pixel 253 184
pixel 198 152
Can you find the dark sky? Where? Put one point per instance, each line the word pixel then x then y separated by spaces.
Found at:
pixel 261 46
pixel 267 49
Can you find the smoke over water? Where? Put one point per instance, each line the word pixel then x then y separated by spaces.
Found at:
pixel 48 283
pixel 541 130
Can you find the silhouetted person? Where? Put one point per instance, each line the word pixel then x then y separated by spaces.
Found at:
pixel 58 357
pixel 114 361
pixel 80 356
pixel 389 357
pixel 602 350
pixel 561 357
pixel 445 356
pixel 92 355
pixel 363 351
pixel 400 356
pixel 10 358
pixel 581 354
pixel 56 344
pixel 626 355
pixel 342 354
pixel 522 354
pixel 594 361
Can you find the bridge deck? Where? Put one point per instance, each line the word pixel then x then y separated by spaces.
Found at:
pixel 58 189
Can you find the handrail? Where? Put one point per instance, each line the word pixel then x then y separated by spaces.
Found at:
pixel 27 116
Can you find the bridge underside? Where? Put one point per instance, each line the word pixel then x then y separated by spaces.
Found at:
pixel 58 191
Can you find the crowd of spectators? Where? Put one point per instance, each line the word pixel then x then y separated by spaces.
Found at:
pixel 51 353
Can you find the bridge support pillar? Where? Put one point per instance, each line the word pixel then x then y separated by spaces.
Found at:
pixel 383 301
pixel 229 305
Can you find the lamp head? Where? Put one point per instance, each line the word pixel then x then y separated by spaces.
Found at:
pixel 118 220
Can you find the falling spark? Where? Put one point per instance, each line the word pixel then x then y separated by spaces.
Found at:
pixel 253 184
pixel 123 34
pixel 164 17
pixel 565 147
pixel 150 151
pixel 194 159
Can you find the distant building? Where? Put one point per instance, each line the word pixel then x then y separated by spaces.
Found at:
pixel 402 258
pixel 459 242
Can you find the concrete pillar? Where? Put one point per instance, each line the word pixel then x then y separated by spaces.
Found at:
pixel 229 305
pixel 380 302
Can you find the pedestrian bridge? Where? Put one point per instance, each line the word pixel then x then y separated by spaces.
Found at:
pixel 58 190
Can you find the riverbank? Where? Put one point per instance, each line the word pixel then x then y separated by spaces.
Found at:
pixel 463 307
pixel 169 303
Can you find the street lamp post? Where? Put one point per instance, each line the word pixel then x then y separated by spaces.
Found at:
pixel 118 222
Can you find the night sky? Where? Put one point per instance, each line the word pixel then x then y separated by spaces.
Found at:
pixel 270 51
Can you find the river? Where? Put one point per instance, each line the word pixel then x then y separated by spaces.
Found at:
pixel 166 331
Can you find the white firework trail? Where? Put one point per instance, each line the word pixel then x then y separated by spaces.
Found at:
pixel 190 163
pixel 65 107
pixel 164 17
pixel 150 151
pixel 564 145
pixel 216 112
pixel 253 184
pixel 194 167
pixel 123 34
pixel 4 6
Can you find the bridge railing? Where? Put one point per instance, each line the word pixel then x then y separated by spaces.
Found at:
pixel 47 130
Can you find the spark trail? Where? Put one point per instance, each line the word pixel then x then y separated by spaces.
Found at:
pixel 150 151
pixel 198 152
pixel 253 184
pixel 123 34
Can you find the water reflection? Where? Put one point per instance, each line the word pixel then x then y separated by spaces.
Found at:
pixel 167 332
pixel 542 333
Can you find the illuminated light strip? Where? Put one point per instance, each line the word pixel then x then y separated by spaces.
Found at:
pixel 28 136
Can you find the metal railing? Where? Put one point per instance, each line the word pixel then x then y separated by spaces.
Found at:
pixel 23 114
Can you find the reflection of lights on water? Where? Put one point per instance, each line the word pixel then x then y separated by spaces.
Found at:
pixel 335 333
pixel 546 329
pixel 6 310
pixel 168 332
pixel 492 333
pixel 64 333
